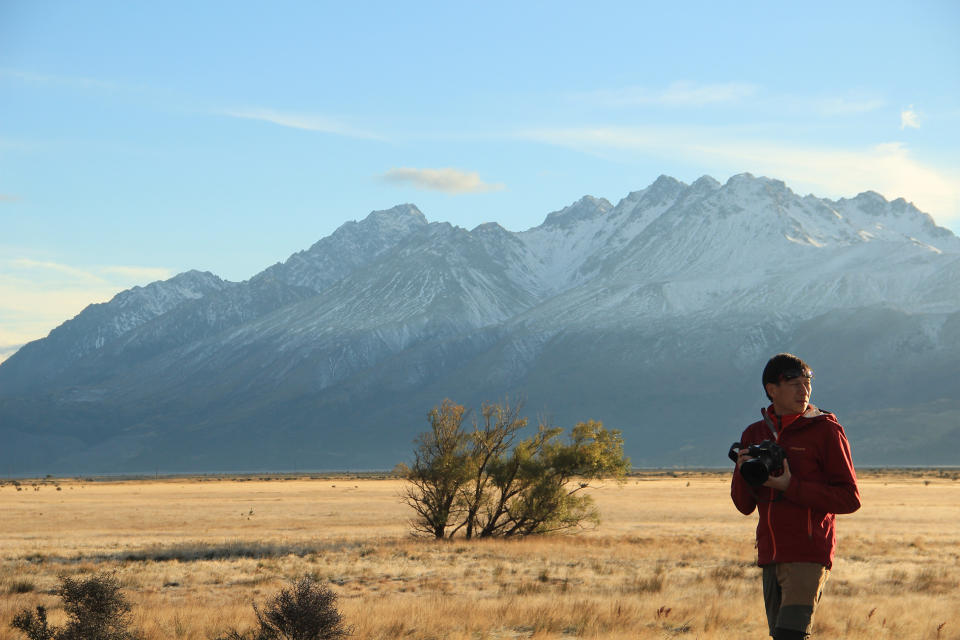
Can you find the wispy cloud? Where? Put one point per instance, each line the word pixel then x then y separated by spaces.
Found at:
pixel 60 274
pixel 305 122
pixel 53 80
pixel 37 296
pixel 846 106
pixel 446 180
pixel 741 95
pixel 909 118
pixel 140 275
pixel 678 94
pixel 6 197
pixel 890 168
pixel 63 272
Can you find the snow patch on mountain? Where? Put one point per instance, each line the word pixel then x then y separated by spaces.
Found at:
pixel 387 314
pixel 394 280
pixel 351 246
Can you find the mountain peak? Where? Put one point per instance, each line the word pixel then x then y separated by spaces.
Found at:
pixel 747 186
pixel 406 216
pixel 875 215
pixel 663 190
pixel 751 181
pixel 489 228
pixel 189 284
pixel 705 183
pixel 664 181
pixel 585 208
pixel 195 276
pixel 352 244
pixel 739 178
pixel 391 311
pixel 870 201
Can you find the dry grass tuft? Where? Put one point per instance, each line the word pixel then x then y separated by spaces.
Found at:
pixel 672 559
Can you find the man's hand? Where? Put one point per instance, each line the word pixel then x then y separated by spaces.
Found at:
pixel 782 481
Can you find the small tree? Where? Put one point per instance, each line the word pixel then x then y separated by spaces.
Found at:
pixel 96 608
pixel 491 440
pixel 486 483
pixel 305 611
pixel 441 465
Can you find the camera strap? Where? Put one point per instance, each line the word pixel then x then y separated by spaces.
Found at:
pixel 776 436
pixel 769 421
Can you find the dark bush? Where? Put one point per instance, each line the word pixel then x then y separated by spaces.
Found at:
pixel 96 609
pixel 33 624
pixel 305 611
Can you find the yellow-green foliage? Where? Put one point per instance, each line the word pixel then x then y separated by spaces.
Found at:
pixel 490 483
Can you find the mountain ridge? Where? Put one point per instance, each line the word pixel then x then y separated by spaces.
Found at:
pixel 675 285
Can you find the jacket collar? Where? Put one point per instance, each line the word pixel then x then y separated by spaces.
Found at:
pixel 811 412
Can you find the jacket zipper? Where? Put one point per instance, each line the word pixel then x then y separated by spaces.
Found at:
pixel 773 538
pixel 773 494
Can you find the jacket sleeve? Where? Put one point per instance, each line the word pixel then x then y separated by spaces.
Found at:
pixel 743 497
pixel 839 494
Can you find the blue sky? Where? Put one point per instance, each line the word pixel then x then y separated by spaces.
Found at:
pixel 139 140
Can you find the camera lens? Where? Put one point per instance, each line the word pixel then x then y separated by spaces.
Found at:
pixel 755 471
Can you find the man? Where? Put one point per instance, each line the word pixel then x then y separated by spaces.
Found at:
pixel 795 534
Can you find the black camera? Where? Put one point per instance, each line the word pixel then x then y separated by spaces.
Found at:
pixel 766 460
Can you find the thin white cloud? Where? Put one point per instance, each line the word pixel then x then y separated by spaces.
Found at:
pixel 846 106
pixel 305 122
pixel 52 80
pixel 8 198
pixel 446 180
pixel 889 169
pixel 143 275
pixel 678 94
pixel 63 272
pixel 733 94
pixel 36 296
pixel 59 274
pixel 909 118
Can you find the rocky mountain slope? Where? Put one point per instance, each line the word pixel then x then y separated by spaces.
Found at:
pixel 654 315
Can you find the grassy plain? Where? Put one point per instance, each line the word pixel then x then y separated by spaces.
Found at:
pixel 671 559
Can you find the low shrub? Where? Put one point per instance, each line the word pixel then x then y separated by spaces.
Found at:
pixel 305 611
pixel 95 607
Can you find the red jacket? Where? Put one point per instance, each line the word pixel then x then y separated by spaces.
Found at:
pixel 798 526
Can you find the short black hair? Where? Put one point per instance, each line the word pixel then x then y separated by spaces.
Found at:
pixel 784 366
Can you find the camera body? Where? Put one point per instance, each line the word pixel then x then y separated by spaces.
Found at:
pixel 766 460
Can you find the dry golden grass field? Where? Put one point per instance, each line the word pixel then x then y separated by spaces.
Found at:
pixel 672 558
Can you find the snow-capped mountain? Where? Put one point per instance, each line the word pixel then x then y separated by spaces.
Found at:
pixel 351 246
pixel 41 361
pixel 654 315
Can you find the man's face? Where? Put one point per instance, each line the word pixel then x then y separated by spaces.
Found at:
pixel 790 396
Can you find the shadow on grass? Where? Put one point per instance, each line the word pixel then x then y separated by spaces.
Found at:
pixel 197 551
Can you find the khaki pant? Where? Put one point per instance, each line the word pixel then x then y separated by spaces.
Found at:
pixel 791 591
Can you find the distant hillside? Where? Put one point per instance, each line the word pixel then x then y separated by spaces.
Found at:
pixel 654 315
